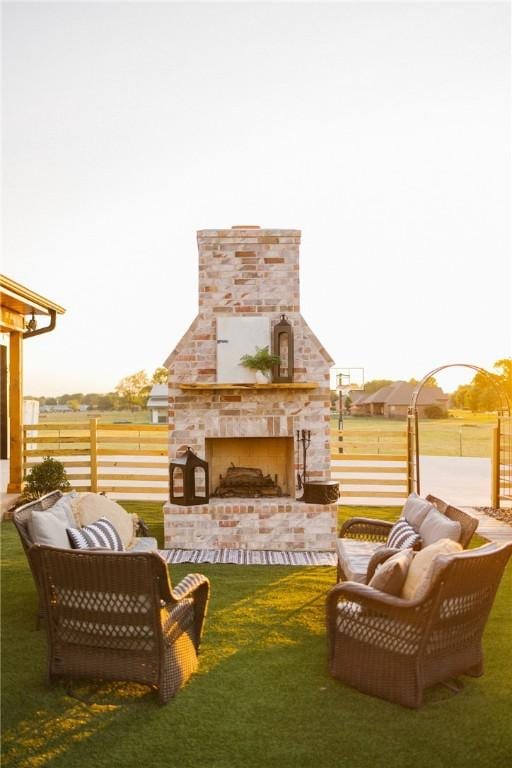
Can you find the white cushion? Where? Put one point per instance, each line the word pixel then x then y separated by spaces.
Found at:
pixel 354 556
pixel 91 506
pixel 65 504
pixel 437 526
pixel 49 528
pixel 423 569
pixel 415 510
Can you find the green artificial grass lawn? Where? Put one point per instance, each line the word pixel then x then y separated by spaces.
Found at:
pixel 262 696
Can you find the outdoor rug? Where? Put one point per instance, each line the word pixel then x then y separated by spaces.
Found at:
pixel 247 557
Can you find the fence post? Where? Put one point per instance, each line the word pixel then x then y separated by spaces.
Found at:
pixel 495 467
pixel 93 430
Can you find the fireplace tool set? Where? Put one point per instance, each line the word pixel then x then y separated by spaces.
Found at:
pixel 304 439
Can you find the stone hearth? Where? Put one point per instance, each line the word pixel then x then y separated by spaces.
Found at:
pixel 283 524
pixel 250 272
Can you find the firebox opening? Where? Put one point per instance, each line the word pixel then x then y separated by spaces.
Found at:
pixel 273 456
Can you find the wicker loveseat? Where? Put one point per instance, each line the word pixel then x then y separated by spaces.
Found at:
pixel 395 648
pixel 360 546
pixel 46 503
pixel 115 616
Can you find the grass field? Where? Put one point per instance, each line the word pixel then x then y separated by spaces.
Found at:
pixel 262 697
pixel 462 434
pixel 104 417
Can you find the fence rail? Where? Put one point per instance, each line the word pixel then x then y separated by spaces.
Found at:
pixel 360 458
pixel 109 458
pixel 131 460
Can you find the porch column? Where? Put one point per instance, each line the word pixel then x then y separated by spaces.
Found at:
pixel 15 412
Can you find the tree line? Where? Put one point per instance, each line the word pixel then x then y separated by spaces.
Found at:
pixel 131 394
pixel 484 393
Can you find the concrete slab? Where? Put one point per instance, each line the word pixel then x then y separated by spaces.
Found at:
pixel 460 480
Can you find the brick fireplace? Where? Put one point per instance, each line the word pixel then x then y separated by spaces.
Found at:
pixel 249 272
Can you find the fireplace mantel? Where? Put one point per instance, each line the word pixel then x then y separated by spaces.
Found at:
pixel 271 385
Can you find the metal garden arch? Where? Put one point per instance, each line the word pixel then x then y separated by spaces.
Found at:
pixel 502 440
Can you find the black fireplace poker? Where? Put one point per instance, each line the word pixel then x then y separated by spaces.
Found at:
pixel 303 438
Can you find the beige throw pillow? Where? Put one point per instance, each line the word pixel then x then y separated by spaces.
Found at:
pixel 91 506
pixel 437 526
pixel 390 576
pixel 423 568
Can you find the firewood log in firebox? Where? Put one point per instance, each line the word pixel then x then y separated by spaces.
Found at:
pixel 247 482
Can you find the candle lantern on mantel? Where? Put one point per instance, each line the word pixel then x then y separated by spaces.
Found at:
pixel 189 480
pixel 282 345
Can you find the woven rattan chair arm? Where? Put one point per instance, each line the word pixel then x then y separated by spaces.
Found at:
pixel 197 587
pixel 188 585
pixel 379 557
pixel 370 598
pixel 365 528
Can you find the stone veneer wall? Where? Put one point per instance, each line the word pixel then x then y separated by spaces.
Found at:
pixel 279 524
pixel 249 272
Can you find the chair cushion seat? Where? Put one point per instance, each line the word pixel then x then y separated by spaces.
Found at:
pixel 144 544
pixel 354 556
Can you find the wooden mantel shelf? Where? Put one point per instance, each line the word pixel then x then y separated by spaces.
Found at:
pixel 271 385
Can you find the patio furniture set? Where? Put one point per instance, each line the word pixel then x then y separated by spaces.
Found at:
pixel 408 611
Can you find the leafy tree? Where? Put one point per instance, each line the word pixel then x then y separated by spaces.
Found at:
pixel 91 399
pixel 108 402
pixel 74 404
pixel 160 376
pixel 430 382
pixel 435 412
pixel 348 403
pixel 132 389
pixel 375 384
pixel 482 394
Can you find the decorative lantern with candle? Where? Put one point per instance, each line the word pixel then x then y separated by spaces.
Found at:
pixel 189 480
pixel 282 345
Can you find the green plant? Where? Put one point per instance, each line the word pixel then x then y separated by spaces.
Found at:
pixel 49 475
pixel 262 360
pixel 435 412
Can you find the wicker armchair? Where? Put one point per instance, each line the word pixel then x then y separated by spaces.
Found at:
pixel 45 503
pixel 376 532
pixel 394 648
pixel 115 616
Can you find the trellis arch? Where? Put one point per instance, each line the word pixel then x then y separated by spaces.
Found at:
pixel 501 468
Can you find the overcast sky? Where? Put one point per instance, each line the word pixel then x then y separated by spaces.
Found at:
pixel 382 131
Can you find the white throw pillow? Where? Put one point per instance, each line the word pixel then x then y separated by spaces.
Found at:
pixel 422 569
pixel 65 504
pixel 437 526
pixel 91 506
pixel 49 528
pixel 415 510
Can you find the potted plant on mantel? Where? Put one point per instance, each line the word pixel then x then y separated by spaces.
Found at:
pixel 261 362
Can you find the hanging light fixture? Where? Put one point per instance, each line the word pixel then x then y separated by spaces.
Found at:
pixel 32 323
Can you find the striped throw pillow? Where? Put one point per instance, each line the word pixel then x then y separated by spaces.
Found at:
pixel 403 536
pixel 100 534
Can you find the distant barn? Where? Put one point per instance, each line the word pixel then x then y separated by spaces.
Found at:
pixel 158 404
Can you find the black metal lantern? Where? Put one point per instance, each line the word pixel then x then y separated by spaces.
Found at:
pixel 282 345
pixel 188 478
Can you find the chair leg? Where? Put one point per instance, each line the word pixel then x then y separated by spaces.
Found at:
pixel 475 671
